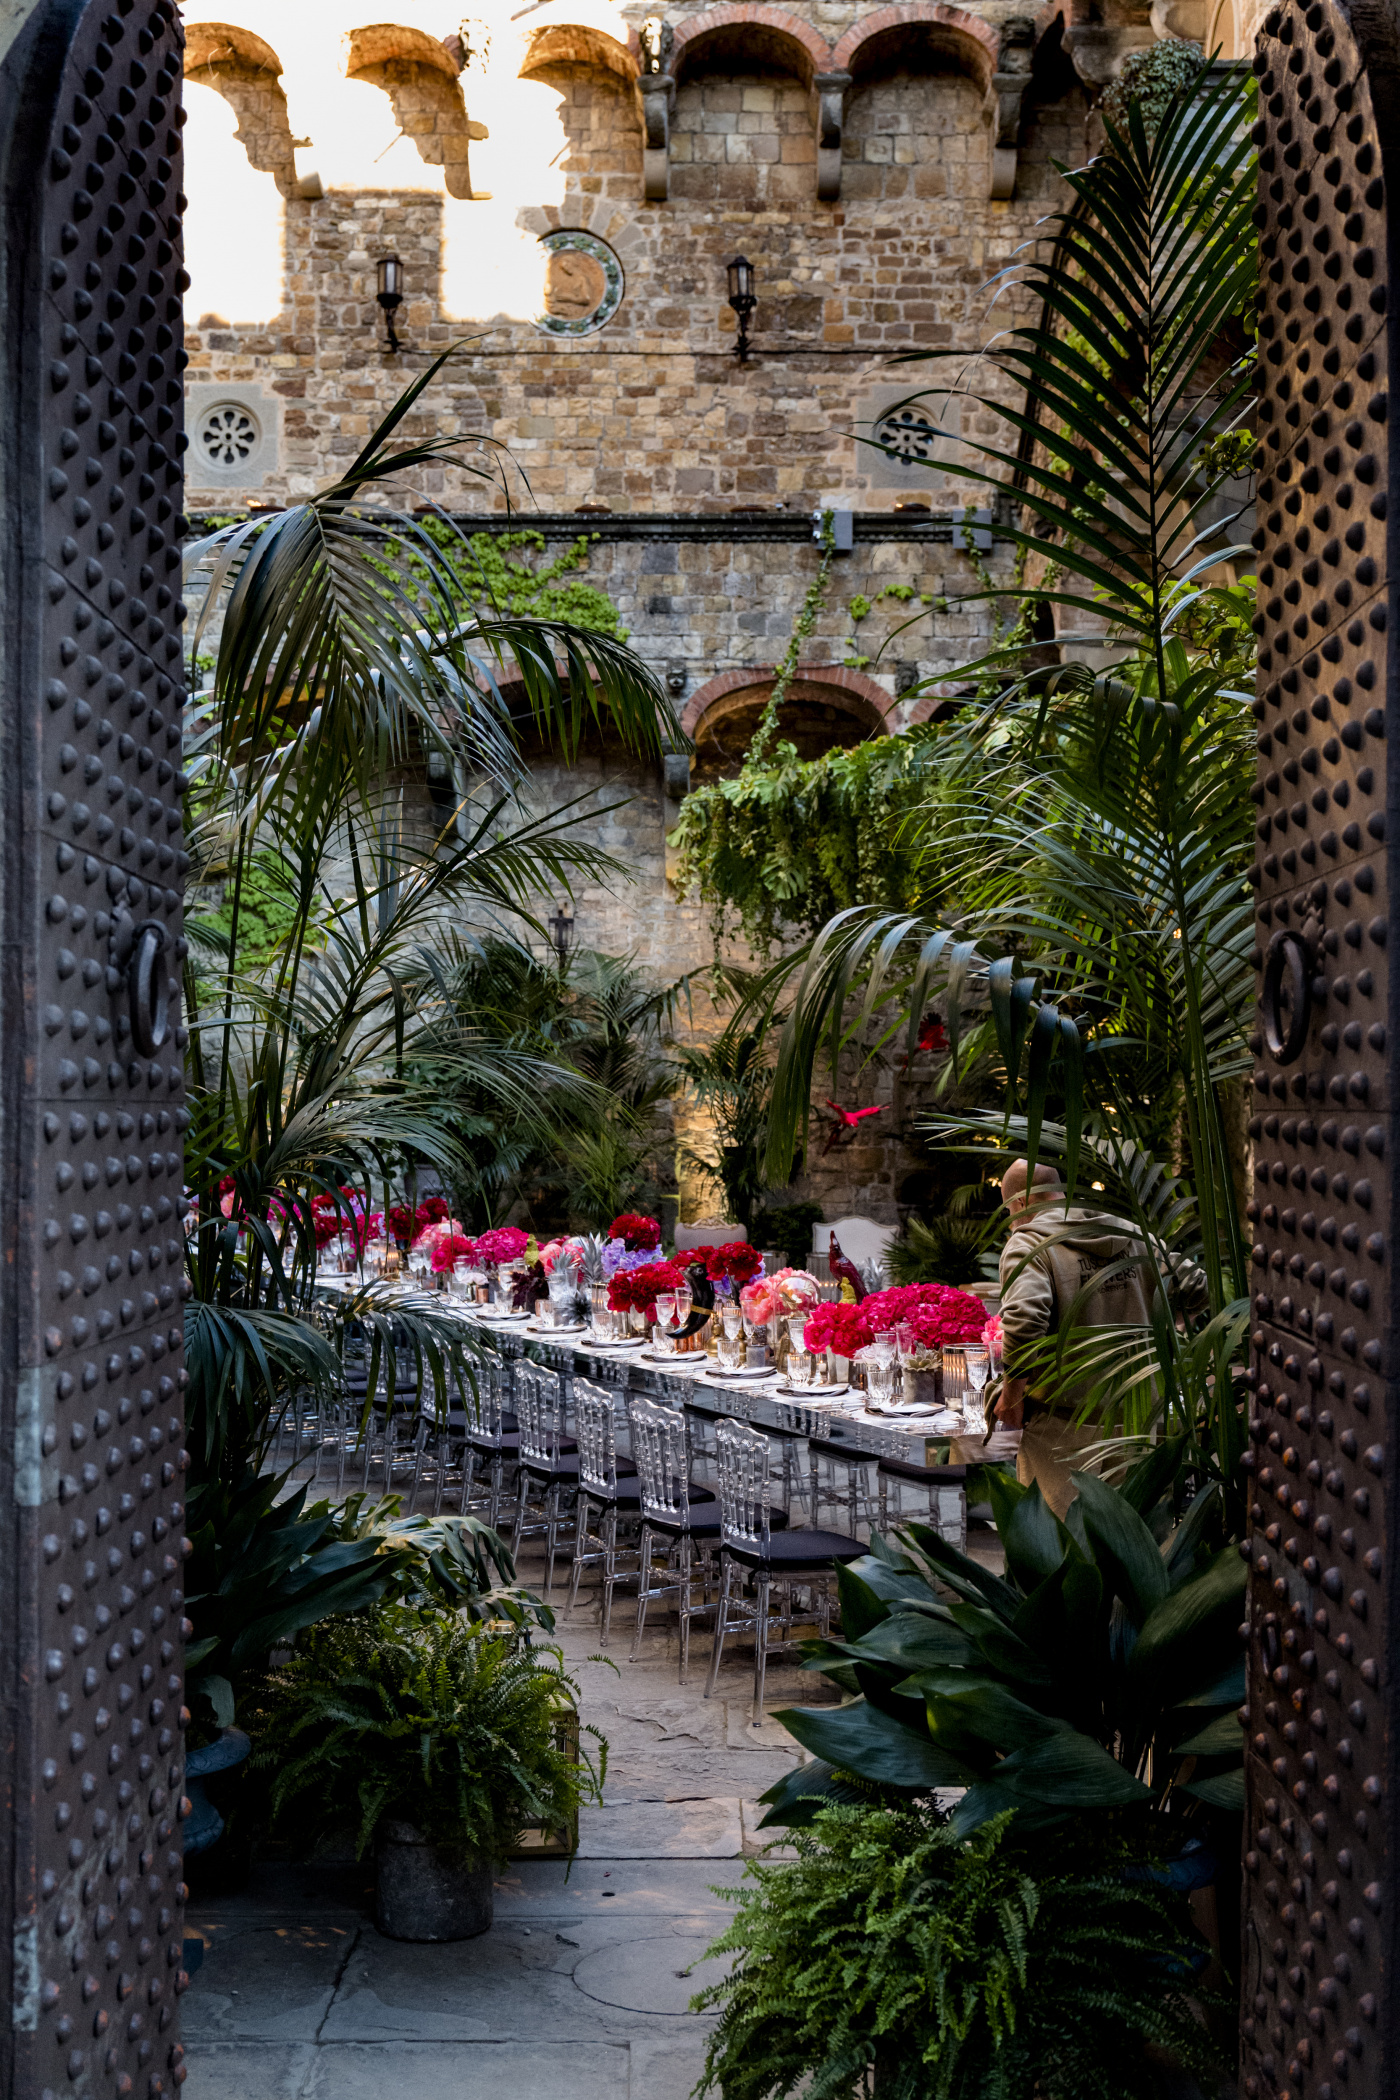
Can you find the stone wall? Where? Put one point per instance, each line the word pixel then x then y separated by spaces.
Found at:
pixel 652 413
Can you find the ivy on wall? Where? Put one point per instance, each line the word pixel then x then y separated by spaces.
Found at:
pixel 492 578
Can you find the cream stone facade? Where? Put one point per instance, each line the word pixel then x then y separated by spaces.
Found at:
pixel 563 185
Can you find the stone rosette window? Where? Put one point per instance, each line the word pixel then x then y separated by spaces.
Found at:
pixel 583 283
pixel 227 435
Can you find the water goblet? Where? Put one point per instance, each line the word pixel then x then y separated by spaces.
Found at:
pixel 666 1308
pixel 797 1328
pixel 906 1342
pixel 663 1340
pixel 978 1361
pixel 801 1367
pixel 732 1320
pixel 731 1350
pixel 880 1374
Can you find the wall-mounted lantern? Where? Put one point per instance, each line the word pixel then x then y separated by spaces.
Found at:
pixel 390 293
pixel 743 299
pixel 561 927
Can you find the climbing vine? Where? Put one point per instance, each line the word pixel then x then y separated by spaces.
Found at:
pixel 801 632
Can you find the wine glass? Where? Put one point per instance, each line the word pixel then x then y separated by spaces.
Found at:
pixel 880 1374
pixel 732 1320
pixel 954 1379
pixel 978 1363
pixel 685 1298
pixel 906 1342
pixel 666 1308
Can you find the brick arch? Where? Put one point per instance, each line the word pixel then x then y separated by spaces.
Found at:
pixel 809 48
pixel 575 44
pixel 879 704
pixel 247 72
pixel 973 40
pixel 419 75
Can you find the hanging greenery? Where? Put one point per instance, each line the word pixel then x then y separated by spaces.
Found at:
pixel 526 588
pixel 786 846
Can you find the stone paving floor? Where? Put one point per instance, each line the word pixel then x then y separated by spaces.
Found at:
pixel 580 1990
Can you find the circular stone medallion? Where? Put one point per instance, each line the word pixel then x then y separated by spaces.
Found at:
pixel 583 283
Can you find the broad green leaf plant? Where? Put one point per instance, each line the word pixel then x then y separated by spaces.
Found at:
pixel 1101 1672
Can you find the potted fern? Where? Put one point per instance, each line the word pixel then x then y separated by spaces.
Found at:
pixel 437 1741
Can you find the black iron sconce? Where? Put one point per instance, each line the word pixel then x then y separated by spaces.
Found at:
pixel 390 294
pixel 743 299
pixel 561 926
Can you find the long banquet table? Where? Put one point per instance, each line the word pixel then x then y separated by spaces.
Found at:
pixel 842 1425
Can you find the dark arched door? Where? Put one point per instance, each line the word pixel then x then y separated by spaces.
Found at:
pixel 91 1102
pixel 1320 2012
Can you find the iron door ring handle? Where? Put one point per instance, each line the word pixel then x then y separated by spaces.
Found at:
pixel 1286 950
pixel 149 980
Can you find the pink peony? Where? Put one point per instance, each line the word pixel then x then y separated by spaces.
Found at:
pixel 937 1313
pixel 759 1301
pixel 504 1243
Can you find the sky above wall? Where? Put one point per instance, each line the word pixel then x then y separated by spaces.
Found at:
pixel 492 267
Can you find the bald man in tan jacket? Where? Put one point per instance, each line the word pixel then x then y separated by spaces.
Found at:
pixel 1055 1252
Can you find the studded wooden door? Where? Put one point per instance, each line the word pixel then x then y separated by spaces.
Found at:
pixel 1319 2006
pixel 91 1114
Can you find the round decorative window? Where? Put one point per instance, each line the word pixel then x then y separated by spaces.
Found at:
pixel 909 435
pixel 227 434
pixel 583 283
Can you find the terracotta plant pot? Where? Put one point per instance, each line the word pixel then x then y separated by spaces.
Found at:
pixel 422 1896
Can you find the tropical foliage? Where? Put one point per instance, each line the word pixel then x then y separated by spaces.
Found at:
pixel 893 1958
pixel 1084 914
pixel 1102 1671
pixel 419 1717
pixel 349 660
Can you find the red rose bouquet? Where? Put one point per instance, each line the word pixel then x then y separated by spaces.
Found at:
pixel 736 1262
pixel 448 1252
pixel 636 1289
pixel 636 1233
pixel 937 1313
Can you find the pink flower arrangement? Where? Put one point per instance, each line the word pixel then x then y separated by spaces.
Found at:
pixel 504 1243
pixel 561 1254
pixel 936 1312
pixel 759 1301
pixel 441 1229
pixel 449 1250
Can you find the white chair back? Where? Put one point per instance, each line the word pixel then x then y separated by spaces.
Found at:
pixel 861 1239
pixel 741 1471
pixel 661 1454
pixel 596 1437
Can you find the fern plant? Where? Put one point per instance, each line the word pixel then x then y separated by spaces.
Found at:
pixel 892 1959
pixel 413 1715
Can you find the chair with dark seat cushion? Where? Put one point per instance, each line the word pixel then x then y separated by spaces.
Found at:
pixel 606 1483
pixel 676 1518
pixel 750 1544
pixel 549 1465
pixel 943 1486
